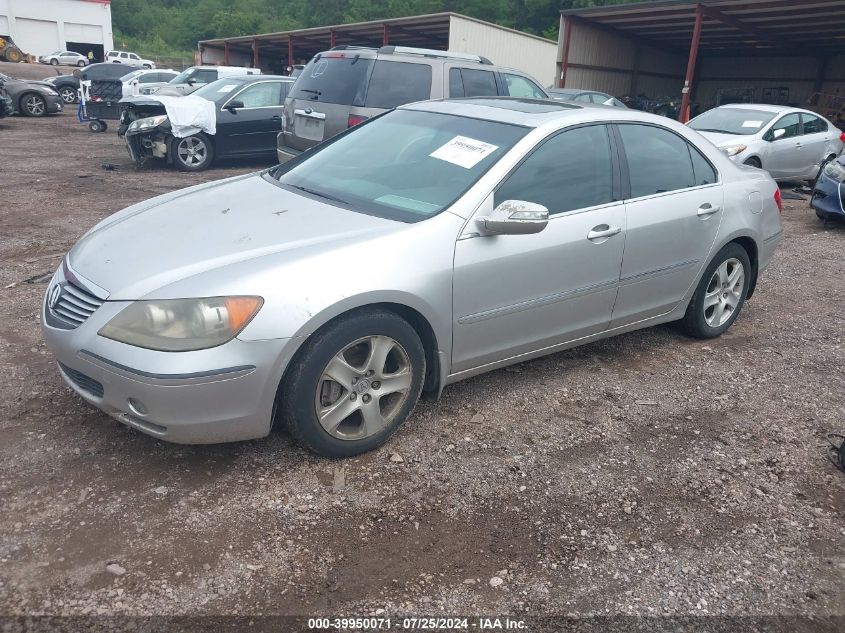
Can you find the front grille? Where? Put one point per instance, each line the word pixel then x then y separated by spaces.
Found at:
pixel 75 305
pixel 83 382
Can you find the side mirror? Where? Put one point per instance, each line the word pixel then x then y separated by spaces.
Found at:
pixel 776 134
pixel 191 81
pixel 234 105
pixel 514 217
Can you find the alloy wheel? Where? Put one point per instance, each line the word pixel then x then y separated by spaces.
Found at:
pixel 724 292
pixel 35 105
pixel 67 94
pixel 363 388
pixel 192 151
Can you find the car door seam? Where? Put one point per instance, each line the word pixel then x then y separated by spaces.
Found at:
pixel 657 271
pixel 534 303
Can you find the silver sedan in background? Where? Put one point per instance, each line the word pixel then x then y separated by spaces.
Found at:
pixel 787 142
pixel 433 243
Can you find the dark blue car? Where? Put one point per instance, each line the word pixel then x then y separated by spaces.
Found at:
pixel 829 194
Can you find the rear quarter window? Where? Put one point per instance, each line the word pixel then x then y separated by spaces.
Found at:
pixel 395 83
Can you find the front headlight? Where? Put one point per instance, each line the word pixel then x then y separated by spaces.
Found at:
pixel 733 150
pixel 147 123
pixel 835 171
pixel 182 325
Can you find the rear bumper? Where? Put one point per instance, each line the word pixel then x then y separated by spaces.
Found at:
pixel 285 153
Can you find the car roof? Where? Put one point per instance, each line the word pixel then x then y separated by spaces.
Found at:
pixel 537 112
pixel 760 107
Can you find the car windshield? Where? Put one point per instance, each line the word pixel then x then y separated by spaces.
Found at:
pixel 405 165
pixel 732 120
pixel 216 89
pixel 183 77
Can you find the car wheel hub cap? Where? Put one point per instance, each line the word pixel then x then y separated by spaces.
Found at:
pixel 191 151
pixel 363 388
pixel 724 292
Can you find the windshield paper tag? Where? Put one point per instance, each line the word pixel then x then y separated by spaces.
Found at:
pixel 227 88
pixel 754 124
pixel 464 152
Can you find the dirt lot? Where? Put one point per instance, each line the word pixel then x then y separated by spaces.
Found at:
pixel 651 474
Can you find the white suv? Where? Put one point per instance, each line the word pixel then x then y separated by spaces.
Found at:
pixel 131 59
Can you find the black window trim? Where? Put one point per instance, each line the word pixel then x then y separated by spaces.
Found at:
pixel 626 174
pixel 616 181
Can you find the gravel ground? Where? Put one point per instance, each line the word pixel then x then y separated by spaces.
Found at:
pixel 650 474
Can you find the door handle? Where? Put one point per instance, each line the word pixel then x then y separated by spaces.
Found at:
pixel 707 209
pixel 275 117
pixel 603 231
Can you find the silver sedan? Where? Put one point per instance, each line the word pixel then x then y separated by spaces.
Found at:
pixel 436 242
pixel 787 142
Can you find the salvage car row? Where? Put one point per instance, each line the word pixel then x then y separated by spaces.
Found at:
pixel 387 158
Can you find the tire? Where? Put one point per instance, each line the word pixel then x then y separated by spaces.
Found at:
pixel 54 62
pixel 32 104
pixel 192 153
pixel 753 162
pixel 68 94
pixel 80 63
pixel 13 54
pixel 97 126
pixel 712 321
pixel 307 390
pixel 147 66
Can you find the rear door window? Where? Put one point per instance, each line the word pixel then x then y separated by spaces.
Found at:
pixel 658 160
pixel 813 124
pixel 468 82
pixel 395 83
pixel 335 77
pixel 518 86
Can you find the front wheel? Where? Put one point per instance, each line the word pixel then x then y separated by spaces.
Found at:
pixel 192 153
pixel 353 384
pixel 720 294
pixel 33 105
pixel 68 94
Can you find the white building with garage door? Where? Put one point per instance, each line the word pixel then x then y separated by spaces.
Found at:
pixel 40 27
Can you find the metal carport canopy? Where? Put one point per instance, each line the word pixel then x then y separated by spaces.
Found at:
pixel 729 28
pixel 424 31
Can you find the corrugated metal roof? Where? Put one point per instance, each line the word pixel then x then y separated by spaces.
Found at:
pixel 730 27
pixel 423 31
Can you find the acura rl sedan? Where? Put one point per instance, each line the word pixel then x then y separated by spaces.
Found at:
pixel 435 242
pixel 786 142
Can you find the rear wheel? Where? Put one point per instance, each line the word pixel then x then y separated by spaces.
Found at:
pixel 13 54
pixel 33 105
pixel 720 294
pixel 97 126
pixel 192 153
pixel 354 384
pixel 754 162
pixel 80 63
pixel 54 62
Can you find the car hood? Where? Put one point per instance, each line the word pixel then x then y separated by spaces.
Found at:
pixel 176 236
pixel 723 140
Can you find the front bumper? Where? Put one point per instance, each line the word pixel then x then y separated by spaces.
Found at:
pixel 222 394
pixel 54 104
pixel 828 196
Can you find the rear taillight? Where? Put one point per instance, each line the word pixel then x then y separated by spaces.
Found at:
pixel 779 200
pixel 842 137
pixel 355 119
